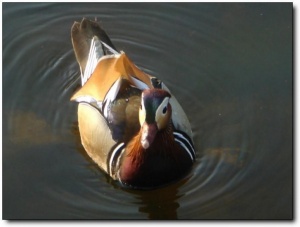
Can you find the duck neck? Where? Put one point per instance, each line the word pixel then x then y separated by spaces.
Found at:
pixel 137 160
pixel 162 145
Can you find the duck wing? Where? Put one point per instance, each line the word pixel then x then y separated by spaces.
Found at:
pixel 102 66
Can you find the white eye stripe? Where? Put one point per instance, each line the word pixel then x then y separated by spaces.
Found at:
pixel 160 114
pixel 159 111
pixel 164 111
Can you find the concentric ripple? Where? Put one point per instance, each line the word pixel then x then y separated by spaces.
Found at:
pixel 214 58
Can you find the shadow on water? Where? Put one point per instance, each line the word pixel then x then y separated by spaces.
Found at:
pixel 159 204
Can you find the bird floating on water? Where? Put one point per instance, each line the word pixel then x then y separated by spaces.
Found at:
pixel 130 123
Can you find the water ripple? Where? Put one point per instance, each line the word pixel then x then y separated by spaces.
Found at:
pixel 195 49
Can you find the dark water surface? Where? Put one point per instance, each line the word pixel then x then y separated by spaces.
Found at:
pixel 229 65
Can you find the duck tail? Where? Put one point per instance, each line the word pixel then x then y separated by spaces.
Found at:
pixel 90 43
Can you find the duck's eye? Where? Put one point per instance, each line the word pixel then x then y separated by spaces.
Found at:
pixel 164 110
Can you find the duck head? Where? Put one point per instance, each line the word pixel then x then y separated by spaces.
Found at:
pixel 154 114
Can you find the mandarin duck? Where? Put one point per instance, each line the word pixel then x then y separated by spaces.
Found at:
pixel 130 124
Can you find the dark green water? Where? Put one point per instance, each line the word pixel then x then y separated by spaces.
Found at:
pixel 229 65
